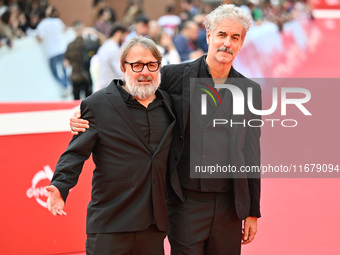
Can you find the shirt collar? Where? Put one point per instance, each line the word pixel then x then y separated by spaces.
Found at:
pixel 206 68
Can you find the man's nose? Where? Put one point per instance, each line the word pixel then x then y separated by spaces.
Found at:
pixel 145 70
pixel 227 42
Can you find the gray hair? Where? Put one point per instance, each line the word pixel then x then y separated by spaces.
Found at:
pixel 229 11
pixel 142 41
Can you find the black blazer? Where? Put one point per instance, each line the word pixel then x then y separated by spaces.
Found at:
pixel 245 142
pixel 128 186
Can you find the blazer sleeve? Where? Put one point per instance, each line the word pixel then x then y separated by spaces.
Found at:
pixel 71 162
pixel 252 154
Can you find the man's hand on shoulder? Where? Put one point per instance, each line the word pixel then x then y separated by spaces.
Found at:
pixel 77 124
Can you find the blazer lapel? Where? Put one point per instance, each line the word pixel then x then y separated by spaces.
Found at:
pixel 190 71
pixel 168 132
pixel 114 97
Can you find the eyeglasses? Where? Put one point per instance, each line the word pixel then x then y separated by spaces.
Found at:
pixel 137 67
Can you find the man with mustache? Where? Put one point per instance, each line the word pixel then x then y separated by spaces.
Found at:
pixel 211 216
pixel 206 215
pixel 129 138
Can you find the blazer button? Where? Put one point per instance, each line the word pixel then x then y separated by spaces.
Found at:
pixel 181 137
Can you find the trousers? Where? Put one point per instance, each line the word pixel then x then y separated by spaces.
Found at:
pixel 147 242
pixel 206 224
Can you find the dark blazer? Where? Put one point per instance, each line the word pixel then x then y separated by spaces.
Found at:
pixel 244 145
pixel 128 185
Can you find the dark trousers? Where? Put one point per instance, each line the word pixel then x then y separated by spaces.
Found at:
pixel 206 224
pixel 147 242
pixel 81 86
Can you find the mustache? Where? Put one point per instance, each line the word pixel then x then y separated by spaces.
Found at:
pixel 141 78
pixel 223 48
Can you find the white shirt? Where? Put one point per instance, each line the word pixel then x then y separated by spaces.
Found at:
pixel 50 30
pixel 169 23
pixel 108 63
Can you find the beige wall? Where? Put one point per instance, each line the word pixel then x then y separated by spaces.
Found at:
pixel 154 9
pixel 119 6
pixel 71 10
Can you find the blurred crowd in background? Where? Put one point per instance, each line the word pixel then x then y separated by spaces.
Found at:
pixel 94 54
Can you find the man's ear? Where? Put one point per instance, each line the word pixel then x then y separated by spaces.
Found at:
pixel 208 37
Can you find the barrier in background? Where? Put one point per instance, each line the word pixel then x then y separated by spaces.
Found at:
pixel 32 138
pixel 326 4
pixel 25 74
pixel 270 53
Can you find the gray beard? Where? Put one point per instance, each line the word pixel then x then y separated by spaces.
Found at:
pixel 142 91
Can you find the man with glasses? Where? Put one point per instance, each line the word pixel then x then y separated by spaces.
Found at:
pixel 129 138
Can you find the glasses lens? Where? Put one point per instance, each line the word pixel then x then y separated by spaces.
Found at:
pixel 137 67
pixel 152 66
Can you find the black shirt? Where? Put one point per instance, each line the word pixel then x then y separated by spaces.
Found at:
pixel 152 121
pixel 204 145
